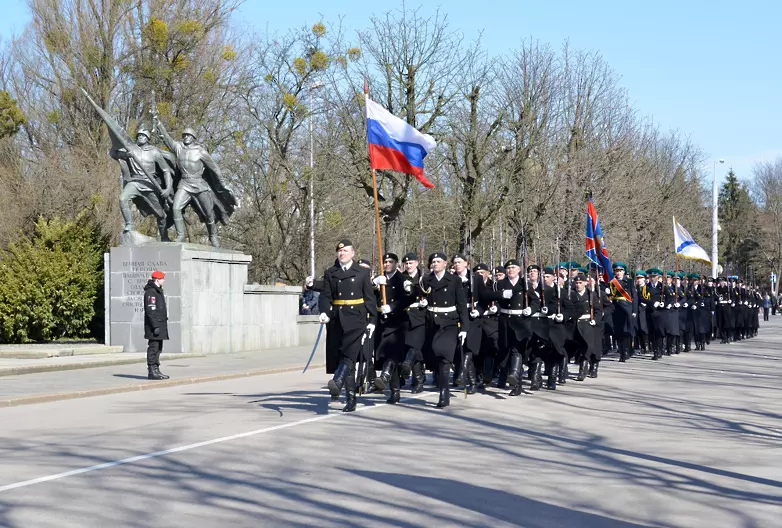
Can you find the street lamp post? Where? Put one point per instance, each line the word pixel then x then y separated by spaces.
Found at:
pixel 714 223
pixel 313 86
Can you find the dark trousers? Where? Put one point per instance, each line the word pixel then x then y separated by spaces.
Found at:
pixel 765 314
pixel 154 348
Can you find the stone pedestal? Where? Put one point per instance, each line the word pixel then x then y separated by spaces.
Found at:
pixel 205 295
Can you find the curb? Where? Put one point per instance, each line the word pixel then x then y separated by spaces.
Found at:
pixel 36 369
pixel 47 398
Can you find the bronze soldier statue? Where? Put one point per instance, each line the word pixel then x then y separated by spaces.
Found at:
pixel 138 162
pixel 199 183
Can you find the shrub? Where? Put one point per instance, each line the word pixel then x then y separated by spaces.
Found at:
pixel 49 282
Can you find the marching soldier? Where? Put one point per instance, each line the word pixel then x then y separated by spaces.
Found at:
pixel 554 355
pixel 514 330
pixel 472 346
pixel 391 334
pixel 415 333
pixel 446 318
pixel 655 293
pixel 641 320
pixel 580 315
pixel 489 329
pixel 625 309
pixel 349 308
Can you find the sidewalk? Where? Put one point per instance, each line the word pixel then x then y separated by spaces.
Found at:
pixel 96 381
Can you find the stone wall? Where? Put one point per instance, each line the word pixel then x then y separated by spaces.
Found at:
pixel 211 307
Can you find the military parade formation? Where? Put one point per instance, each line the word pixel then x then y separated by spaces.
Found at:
pixel 478 327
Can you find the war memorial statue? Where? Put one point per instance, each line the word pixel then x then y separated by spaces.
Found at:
pixel 151 175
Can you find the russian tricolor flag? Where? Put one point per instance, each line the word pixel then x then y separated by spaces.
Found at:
pixel 395 145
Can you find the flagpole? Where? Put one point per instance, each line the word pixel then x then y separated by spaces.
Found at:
pixel 377 206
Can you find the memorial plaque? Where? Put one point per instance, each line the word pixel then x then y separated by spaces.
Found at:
pixel 130 270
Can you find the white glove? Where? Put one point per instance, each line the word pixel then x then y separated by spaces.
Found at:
pixel 380 280
pixel 492 309
pixel 309 281
pixel 507 294
pixel 386 309
pixel 423 303
pixel 408 286
pixel 462 336
pixel 644 305
pixel 527 311
pixel 668 307
pixel 712 313
pixel 657 304
pixel 676 305
pixel 323 318
pixel 634 315
pixel 544 310
pixel 686 305
pixel 732 304
pixel 559 318
pixel 592 322
pixel 486 313
pixel 370 329
pixel 475 314
pixel 608 291
pixel 694 307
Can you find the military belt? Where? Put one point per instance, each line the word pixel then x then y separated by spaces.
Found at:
pixel 347 302
pixel 511 312
pixel 446 309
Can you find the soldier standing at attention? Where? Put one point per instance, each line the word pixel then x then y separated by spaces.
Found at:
pixel 155 323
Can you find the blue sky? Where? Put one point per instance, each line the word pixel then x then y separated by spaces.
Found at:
pixel 709 69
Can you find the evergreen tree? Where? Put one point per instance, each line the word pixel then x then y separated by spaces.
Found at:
pixel 738 227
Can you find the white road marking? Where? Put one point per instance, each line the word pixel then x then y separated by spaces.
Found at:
pixel 188 447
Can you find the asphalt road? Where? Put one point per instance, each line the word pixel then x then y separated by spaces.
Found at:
pixel 693 440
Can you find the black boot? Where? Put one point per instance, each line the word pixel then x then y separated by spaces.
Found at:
pixel 350 392
pixel 563 371
pixel 502 379
pixel 622 352
pixel 389 367
pixel 153 373
pixel 537 375
pixel 407 364
pixel 335 383
pixel 445 393
pixel 488 370
pixel 419 376
pixel 157 371
pixel 394 388
pixel 593 365
pixel 582 370
pixel 514 371
pixel 468 373
pixel 551 384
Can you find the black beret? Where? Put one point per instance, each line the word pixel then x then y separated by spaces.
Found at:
pixel 512 262
pixel 365 262
pixel 499 269
pixel 344 243
pixel 438 254
pixel 459 256
pixel 391 256
pixel 409 257
pixel 533 267
pixel 581 277
pixel 481 267
pixel 548 270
